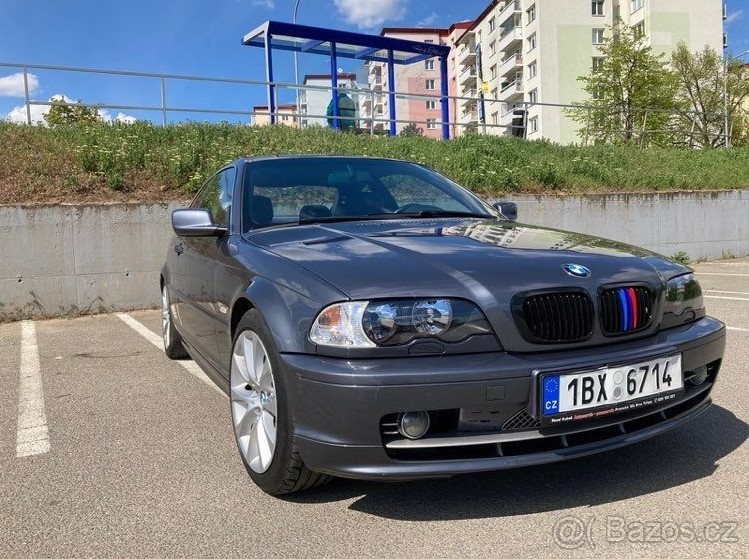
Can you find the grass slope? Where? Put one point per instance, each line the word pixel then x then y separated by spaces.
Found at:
pixel 142 162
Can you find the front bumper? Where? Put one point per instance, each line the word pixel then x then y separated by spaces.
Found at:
pixel 339 406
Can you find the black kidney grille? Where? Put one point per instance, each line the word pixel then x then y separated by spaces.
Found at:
pixel 559 317
pixel 626 309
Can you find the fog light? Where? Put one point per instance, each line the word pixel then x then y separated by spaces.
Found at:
pixel 699 375
pixel 413 424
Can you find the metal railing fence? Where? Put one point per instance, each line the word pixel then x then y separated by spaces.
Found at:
pixel 370 121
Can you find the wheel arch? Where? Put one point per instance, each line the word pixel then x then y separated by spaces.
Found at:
pixel 288 315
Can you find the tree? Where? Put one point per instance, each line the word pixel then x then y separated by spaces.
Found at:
pixel 64 113
pixel 411 131
pixel 631 91
pixel 700 76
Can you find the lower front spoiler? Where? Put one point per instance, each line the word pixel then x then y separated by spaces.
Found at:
pixel 372 462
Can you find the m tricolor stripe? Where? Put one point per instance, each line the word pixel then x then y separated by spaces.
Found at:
pixel 626 309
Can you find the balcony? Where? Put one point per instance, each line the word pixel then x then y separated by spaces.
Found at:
pixel 467 76
pixel 511 64
pixel 467 54
pixel 470 117
pixel 468 103
pixel 511 90
pixel 511 9
pixel 508 37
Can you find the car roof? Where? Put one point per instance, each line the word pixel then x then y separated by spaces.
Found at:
pixel 255 159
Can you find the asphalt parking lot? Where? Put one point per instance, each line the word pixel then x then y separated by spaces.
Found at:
pixel 132 455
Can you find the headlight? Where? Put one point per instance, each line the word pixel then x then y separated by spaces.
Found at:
pixel 683 301
pixel 365 324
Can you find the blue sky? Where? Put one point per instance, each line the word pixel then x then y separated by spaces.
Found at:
pixel 197 38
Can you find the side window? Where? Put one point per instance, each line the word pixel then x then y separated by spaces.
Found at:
pixel 216 196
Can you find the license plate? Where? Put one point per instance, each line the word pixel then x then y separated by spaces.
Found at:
pixel 585 395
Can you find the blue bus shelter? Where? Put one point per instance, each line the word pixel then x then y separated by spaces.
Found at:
pixel 276 35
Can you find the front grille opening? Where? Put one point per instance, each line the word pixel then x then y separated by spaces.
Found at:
pixel 558 317
pixel 625 310
pixel 518 448
pixel 468 452
pixel 522 420
pixel 550 443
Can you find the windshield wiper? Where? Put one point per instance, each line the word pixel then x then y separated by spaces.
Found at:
pixel 343 218
pixel 444 213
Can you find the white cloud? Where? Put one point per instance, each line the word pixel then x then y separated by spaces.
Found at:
pixel 734 16
pixel 19 115
pixel 427 21
pixel 269 4
pixel 106 116
pixel 13 86
pixel 372 13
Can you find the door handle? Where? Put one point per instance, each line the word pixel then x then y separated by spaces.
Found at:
pixel 179 249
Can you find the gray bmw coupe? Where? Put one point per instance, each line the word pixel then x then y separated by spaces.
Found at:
pixel 370 318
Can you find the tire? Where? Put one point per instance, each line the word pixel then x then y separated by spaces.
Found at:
pixel 173 346
pixel 258 390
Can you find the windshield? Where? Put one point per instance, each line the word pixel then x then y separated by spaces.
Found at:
pixel 323 189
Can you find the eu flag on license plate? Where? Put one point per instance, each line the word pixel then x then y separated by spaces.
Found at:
pixel 551 395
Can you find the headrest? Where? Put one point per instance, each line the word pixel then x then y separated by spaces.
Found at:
pixel 261 211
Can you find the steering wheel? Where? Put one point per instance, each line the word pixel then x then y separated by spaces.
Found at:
pixel 417 208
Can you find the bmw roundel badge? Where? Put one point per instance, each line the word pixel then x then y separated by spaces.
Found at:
pixel 576 270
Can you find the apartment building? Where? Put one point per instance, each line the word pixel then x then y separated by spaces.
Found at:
pixel 314 102
pixel 524 52
pixel 285 114
pixel 421 78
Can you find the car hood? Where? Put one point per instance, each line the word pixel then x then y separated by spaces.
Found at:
pixel 468 258
pixel 484 261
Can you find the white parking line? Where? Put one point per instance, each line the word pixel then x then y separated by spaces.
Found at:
pixel 726 292
pixel 726 298
pixel 721 274
pixel 735 329
pixel 190 366
pixel 32 436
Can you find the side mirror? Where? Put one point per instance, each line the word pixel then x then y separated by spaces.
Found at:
pixel 195 223
pixel 507 209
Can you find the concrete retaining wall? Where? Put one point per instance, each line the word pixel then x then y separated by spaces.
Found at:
pixel 59 260
pixel 712 224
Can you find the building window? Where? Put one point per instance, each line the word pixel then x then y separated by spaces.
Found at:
pixel 532 69
pixel 478 37
pixel 431 105
pixel 533 97
pixel 597 64
pixel 429 64
pixel 533 125
pixel 492 48
pixel 640 30
pixel 493 72
pixel 492 24
pixel 637 5
pixel 494 93
pixel 598 93
pixel 531 13
pixel 598 8
pixel 431 124
pixel 598 36
pixel 430 85
pixel 532 42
